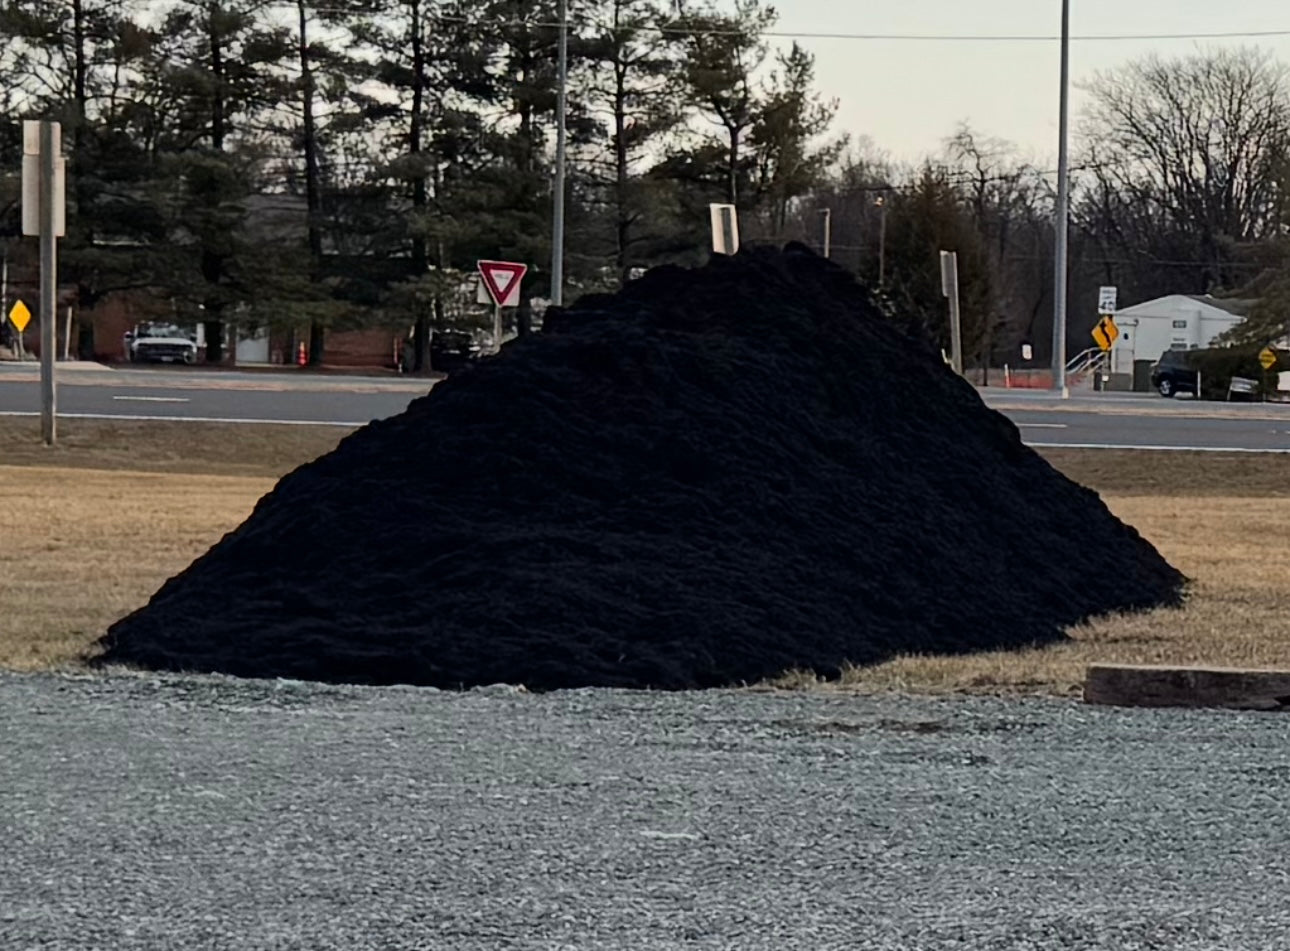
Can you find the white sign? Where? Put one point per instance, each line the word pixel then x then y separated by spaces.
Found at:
pixel 502 280
pixel 725 229
pixel 949 272
pixel 31 181
pixel 1106 300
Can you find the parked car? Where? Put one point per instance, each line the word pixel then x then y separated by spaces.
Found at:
pixel 160 343
pixel 451 349
pixel 1172 374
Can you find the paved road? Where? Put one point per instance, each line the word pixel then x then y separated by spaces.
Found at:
pixel 1144 421
pixel 1091 420
pixel 205 813
pixel 1205 434
pixel 201 395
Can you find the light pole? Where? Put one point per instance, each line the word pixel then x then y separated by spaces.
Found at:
pixel 1063 214
pixel 828 229
pixel 557 212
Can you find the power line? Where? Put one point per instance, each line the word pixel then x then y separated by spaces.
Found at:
pixel 1020 38
pixel 701 30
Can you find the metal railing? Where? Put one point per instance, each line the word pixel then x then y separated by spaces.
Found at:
pixel 1086 363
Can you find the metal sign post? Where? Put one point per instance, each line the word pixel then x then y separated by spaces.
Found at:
pixel 950 288
pixel 499 281
pixel 43 208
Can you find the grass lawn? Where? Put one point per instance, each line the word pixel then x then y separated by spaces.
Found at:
pixel 94 526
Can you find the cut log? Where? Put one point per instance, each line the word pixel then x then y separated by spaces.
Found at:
pixel 1128 685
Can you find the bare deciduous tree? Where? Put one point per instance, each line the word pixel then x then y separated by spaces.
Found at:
pixel 1193 145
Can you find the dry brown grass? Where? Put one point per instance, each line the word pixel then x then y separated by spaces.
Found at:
pixel 1133 472
pixel 198 448
pixel 81 546
pixel 1240 566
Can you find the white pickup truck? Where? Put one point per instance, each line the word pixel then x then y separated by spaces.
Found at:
pixel 160 343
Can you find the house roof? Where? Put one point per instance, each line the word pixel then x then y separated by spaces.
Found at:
pixel 1238 306
pixel 1230 306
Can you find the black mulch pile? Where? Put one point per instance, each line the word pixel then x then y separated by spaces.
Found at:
pixel 707 479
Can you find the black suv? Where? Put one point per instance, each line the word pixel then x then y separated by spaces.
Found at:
pixel 451 350
pixel 1173 375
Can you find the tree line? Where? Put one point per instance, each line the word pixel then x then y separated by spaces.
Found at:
pixel 333 164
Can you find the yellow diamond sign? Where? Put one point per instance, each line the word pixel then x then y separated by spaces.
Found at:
pixel 1267 359
pixel 20 316
pixel 1105 332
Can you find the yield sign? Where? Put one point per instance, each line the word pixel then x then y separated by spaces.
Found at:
pixel 502 281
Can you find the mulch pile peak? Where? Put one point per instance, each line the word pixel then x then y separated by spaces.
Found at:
pixel 709 478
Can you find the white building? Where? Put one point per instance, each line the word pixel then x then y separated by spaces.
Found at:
pixel 1176 322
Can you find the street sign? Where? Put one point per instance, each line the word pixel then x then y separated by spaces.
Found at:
pixel 19 316
pixel 725 228
pixel 1106 297
pixel 1267 359
pixel 502 281
pixel 31 181
pixel 1105 333
pixel 950 288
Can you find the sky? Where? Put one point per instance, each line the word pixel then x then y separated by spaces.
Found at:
pixel 908 97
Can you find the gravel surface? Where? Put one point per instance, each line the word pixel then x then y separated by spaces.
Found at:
pixel 170 812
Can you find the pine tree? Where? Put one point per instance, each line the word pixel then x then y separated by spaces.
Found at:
pixel 791 119
pixel 632 85
pixel 724 55
pixel 432 57
pixel 219 65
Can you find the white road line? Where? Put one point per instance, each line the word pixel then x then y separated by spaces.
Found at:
pixel 1099 445
pixel 1042 426
pixel 118 417
pixel 153 399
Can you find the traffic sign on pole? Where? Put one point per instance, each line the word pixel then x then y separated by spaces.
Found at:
pixel 1106 300
pixel 1105 333
pixel 31 180
pixel 950 289
pixel 502 281
pixel 19 316
pixel 725 228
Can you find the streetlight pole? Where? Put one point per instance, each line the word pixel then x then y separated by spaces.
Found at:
pixel 828 229
pixel 557 212
pixel 1063 214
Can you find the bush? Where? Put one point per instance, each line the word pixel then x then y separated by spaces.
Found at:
pixel 1218 365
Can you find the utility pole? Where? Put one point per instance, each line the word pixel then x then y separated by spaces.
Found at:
pixel 828 229
pixel 557 215
pixel 1063 214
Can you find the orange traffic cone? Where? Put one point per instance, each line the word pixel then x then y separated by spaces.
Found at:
pixel 302 356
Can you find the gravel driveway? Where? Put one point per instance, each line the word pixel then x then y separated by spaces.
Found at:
pixel 195 813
